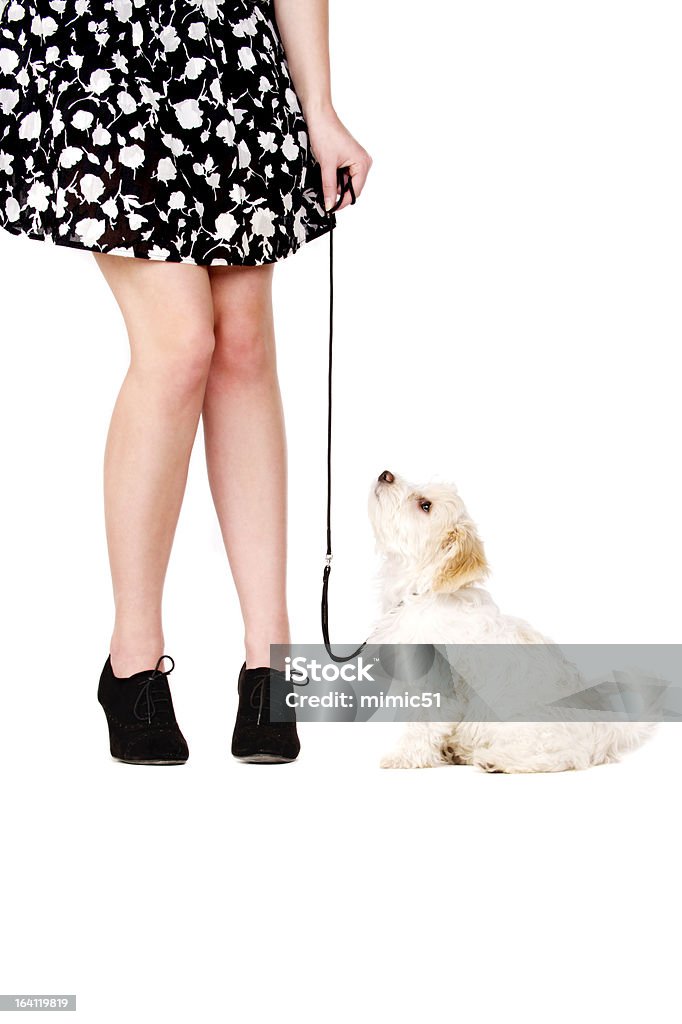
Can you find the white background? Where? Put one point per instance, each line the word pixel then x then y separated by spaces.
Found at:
pixel 507 315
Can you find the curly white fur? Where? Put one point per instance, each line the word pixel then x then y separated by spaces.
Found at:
pixel 433 561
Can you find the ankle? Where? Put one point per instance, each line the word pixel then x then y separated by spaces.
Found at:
pixel 129 656
pixel 257 650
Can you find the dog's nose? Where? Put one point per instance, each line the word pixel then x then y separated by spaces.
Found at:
pixel 387 476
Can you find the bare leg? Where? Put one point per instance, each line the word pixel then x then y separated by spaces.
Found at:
pixel 168 313
pixel 245 443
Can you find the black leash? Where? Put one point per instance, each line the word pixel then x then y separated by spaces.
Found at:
pixel 346 185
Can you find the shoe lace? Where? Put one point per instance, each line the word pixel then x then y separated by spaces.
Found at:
pixel 257 698
pixel 148 699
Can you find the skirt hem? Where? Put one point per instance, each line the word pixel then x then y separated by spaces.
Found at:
pixel 68 243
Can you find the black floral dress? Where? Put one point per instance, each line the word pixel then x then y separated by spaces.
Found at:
pixel 161 129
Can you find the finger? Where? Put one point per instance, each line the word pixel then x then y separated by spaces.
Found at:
pixel 329 186
pixel 358 174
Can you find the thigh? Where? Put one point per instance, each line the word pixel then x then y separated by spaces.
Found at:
pixel 160 300
pixel 242 300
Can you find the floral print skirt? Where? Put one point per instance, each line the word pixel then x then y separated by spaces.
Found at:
pixel 159 129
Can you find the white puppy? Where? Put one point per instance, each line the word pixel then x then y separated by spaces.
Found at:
pixel 433 561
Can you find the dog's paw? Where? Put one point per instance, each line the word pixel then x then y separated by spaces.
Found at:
pixel 394 760
pixel 486 765
pixel 399 759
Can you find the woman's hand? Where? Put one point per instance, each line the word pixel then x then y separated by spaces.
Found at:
pixel 303 27
pixel 334 147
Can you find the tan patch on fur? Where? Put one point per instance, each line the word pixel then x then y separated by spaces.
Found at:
pixel 467 562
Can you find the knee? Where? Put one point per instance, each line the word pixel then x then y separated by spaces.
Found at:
pixel 244 350
pixel 181 360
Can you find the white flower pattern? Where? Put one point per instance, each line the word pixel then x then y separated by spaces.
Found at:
pixel 158 129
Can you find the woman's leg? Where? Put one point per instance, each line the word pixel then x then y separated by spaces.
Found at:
pixel 168 313
pixel 245 443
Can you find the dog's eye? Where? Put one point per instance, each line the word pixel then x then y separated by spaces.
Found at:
pixel 425 506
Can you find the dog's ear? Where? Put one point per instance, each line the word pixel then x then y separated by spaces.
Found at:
pixel 462 559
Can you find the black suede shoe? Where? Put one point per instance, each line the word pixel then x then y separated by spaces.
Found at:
pixel 140 715
pixel 257 739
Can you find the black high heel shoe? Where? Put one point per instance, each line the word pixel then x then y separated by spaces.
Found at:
pixel 265 730
pixel 140 715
